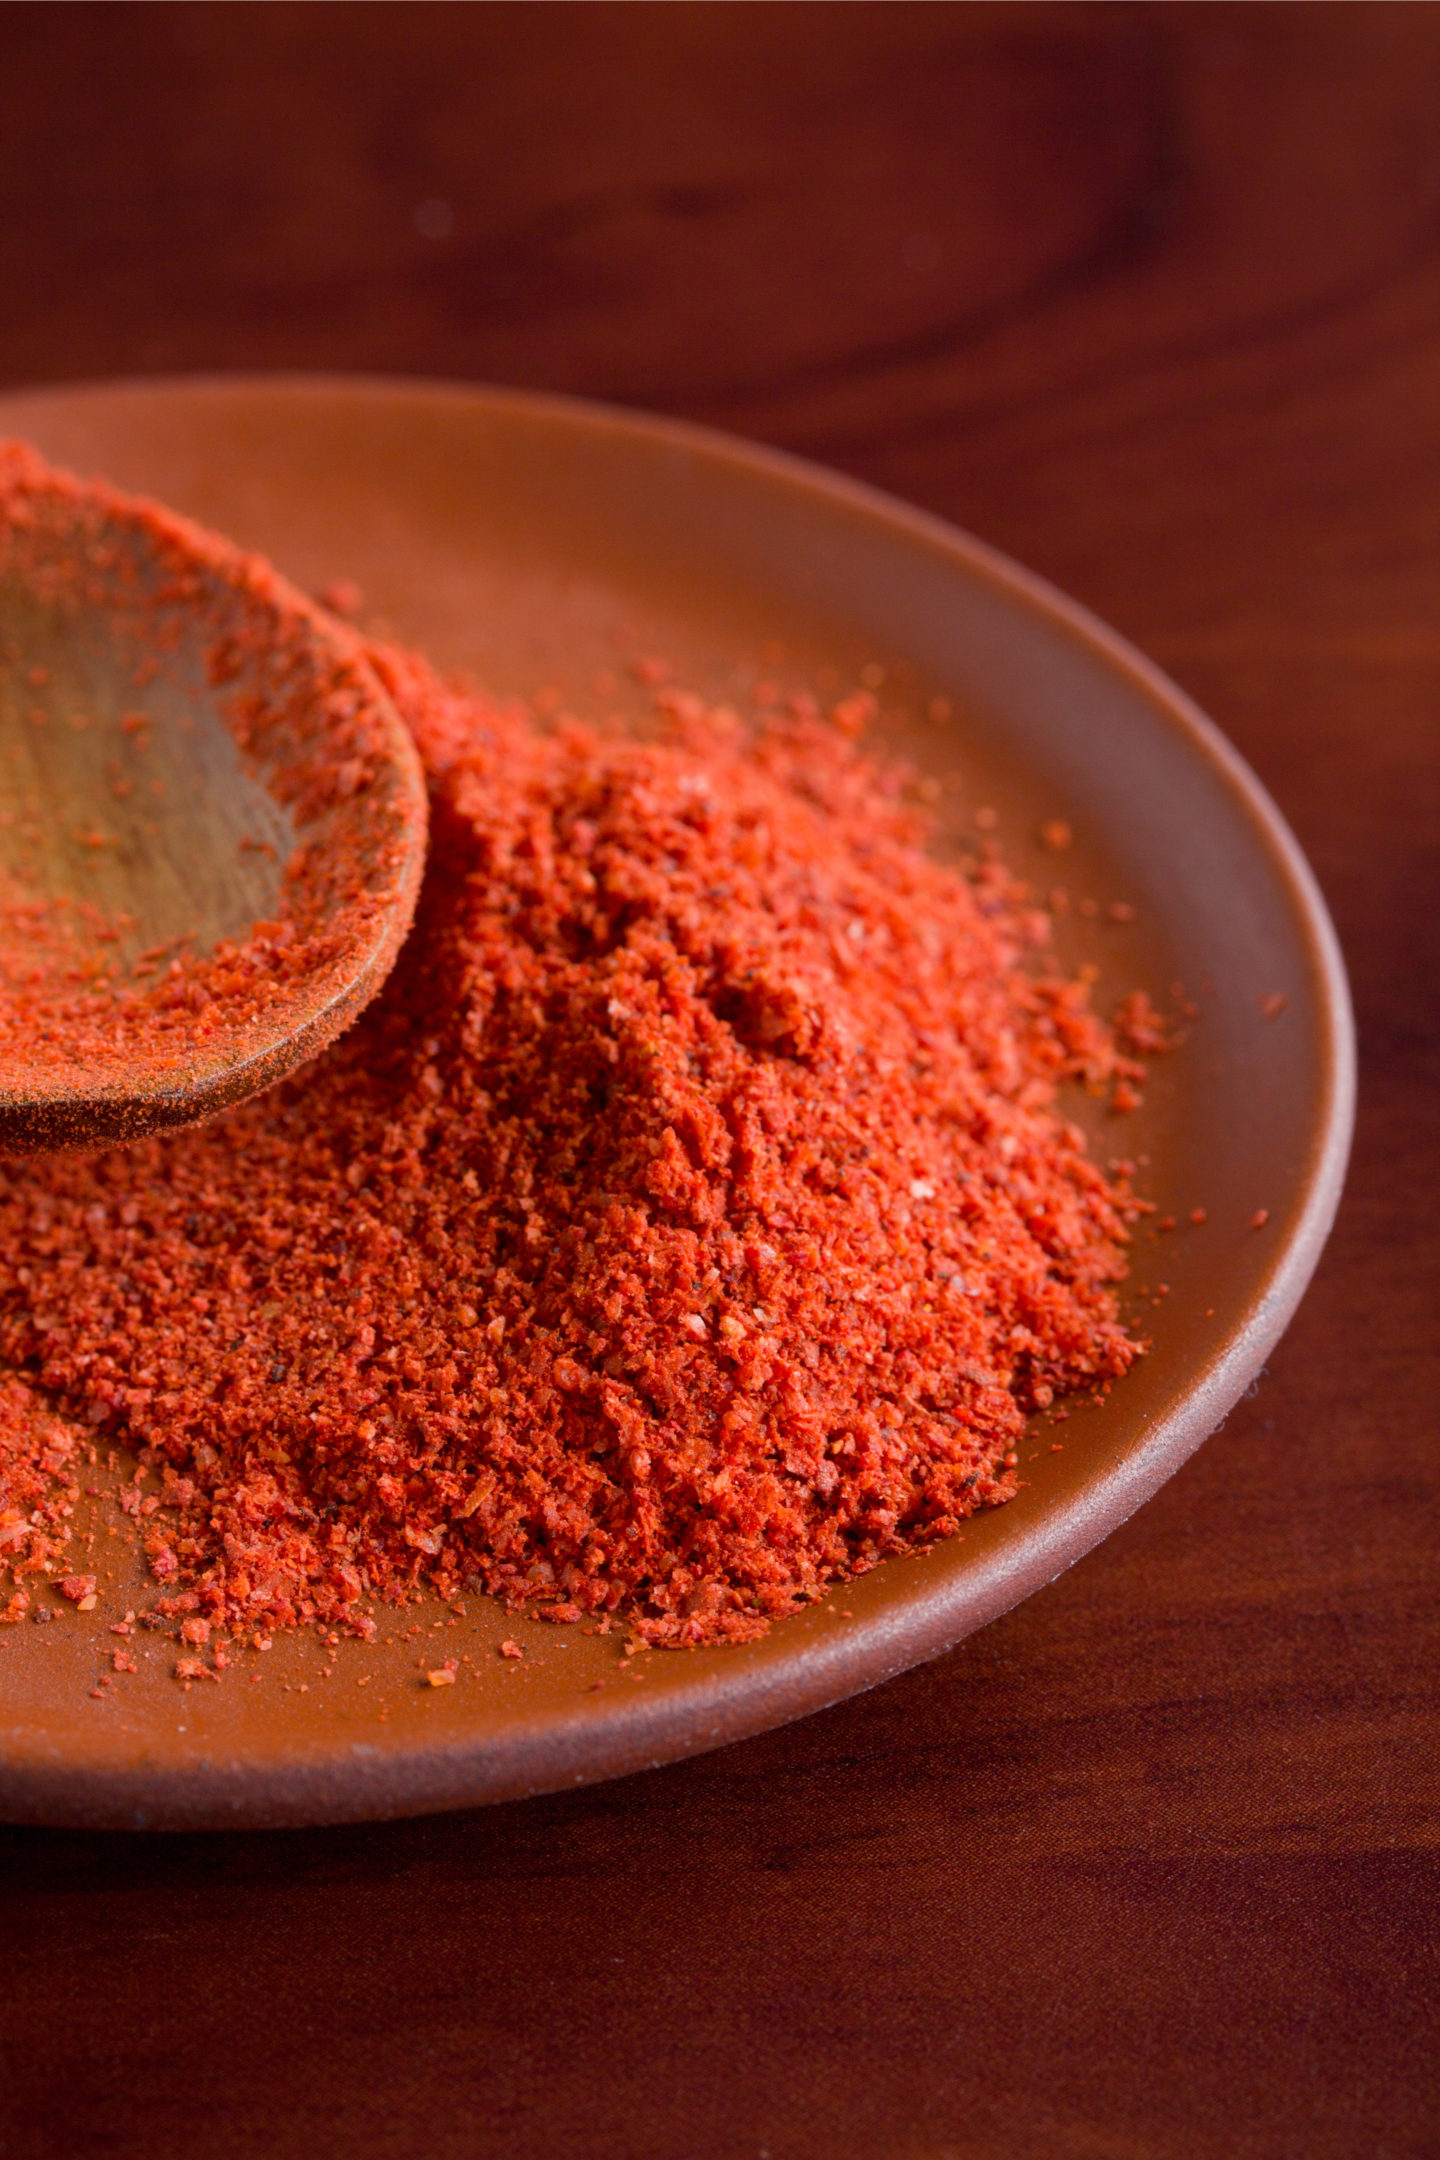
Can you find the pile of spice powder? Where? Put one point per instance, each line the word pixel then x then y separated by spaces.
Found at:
pixel 688 1225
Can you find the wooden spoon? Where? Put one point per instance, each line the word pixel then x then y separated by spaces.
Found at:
pixel 212 819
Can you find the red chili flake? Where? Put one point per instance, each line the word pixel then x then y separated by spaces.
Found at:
pixel 1198 1215
pixel 691 1223
pixel 853 714
pixel 1259 1219
pixel 123 1662
pixel 511 1649
pixel 1140 1029
pixel 342 596
pixel 444 1675
pixel 193 1668
pixel 76 1588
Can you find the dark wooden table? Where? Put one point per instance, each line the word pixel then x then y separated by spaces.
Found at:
pixel 1151 298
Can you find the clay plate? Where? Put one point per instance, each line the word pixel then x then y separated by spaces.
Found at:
pixel 542 542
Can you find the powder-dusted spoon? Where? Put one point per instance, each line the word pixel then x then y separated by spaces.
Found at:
pixel 212 819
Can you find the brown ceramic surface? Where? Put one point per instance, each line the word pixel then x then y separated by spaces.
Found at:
pixel 541 542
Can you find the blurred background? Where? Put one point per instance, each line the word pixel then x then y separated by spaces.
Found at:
pixel 1148 296
pixel 1074 274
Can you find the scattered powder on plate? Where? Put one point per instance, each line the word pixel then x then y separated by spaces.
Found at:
pixel 688 1225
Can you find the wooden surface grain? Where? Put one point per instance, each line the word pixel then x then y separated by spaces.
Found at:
pixel 1151 298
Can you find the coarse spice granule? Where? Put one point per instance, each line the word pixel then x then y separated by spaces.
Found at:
pixel 40 1457
pixel 689 1224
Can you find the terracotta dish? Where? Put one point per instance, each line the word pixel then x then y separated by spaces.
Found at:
pixel 545 543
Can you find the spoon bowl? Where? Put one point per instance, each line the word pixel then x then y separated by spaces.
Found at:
pixel 212 819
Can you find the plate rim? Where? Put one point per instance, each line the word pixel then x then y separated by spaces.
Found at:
pixel 338 1783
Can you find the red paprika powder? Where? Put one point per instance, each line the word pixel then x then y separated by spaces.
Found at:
pixel 688 1225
